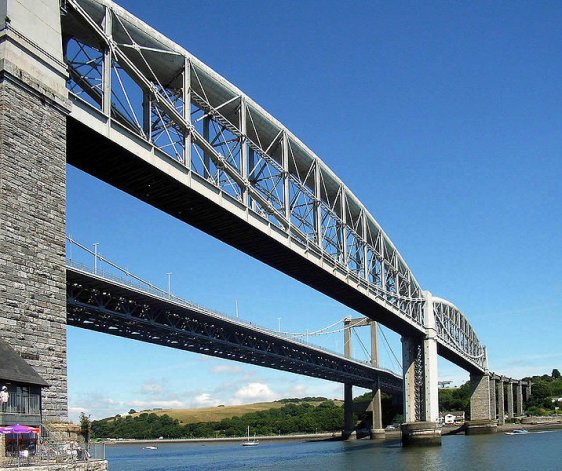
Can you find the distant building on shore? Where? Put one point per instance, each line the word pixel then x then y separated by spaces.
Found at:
pixel 452 417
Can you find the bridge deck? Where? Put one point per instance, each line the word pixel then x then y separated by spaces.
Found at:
pixel 115 165
pixel 100 304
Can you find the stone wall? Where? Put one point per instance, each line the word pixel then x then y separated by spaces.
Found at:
pixel 32 233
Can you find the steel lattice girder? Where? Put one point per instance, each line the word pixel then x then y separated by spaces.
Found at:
pixel 454 331
pixel 102 305
pixel 117 62
pixel 145 85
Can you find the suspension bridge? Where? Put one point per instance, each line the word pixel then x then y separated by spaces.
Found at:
pixel 87 83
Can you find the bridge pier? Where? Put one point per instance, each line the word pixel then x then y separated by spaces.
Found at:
pixel 519 398
pixel 510 414
pixel 33 108
pixel 493 399
pixel 481 418
pixel 348 431
pixel 377 432
pixel 501 400
pixel 421 395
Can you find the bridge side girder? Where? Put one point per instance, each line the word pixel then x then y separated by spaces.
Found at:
pixel 102 306
pixel 197 119
pixel 287 185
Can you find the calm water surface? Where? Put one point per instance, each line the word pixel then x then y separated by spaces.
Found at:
pixel 534 451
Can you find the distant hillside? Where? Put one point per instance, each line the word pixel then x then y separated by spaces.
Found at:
pixel 287 416
pixel 216 414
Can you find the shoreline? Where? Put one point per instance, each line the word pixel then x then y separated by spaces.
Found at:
pixel 304 436
pixel 389 435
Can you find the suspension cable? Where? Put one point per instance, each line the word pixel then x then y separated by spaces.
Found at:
pixel 388 347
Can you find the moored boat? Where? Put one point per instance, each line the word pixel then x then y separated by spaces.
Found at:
pixel 249 442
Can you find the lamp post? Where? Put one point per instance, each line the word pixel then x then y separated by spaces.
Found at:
pixel 96 257
pixel 169 283
pixel 279 324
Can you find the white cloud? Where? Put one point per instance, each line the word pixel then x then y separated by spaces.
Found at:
pixel 254 392
pixel 226 369
pixel 76 411
pixel 151 388
pixel 205 400
pixel 298 390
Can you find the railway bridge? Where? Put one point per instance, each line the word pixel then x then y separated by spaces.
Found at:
pixel 85 82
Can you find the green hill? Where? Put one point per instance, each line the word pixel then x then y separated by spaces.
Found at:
pixel 218 413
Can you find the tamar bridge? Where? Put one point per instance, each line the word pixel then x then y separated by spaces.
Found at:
pixel 85 82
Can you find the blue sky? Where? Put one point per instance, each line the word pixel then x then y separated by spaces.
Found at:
pixel 444 118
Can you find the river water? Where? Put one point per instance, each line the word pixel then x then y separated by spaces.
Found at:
pixel 533 451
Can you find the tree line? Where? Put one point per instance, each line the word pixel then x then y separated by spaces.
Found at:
pixel 298 416
pixel 291 418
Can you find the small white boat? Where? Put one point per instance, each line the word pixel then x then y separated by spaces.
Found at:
pixel 150 448
pixel 249 442
pixel 517 431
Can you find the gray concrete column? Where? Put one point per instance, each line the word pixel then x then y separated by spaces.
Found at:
pixel 501 401
pixel 481 420
pixel 412 390
pixel 480 397
pixel 348 428
pixel 33 107
pixel 519 398
pixel 419 363
pixel 493 402
pixel 376 410
pixel 509 399
pixel 431 384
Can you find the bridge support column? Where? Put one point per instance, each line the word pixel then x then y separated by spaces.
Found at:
pixel 33 108
pixel 493 399
pixel 501 400
pixel 377 432
pixel 481 420
pixel 421 406
pixel 348 432
pixel 348 428
pixel 510 414
pixel 519 399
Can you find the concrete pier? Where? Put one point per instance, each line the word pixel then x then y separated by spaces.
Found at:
pixel 421 434
pixel 519 398
pixel 481 420
pixel 493 399
pixel 377 432
pixel 501 400
pixel 421 395
pixel 348 431
pixel 348 426
pixel 510 412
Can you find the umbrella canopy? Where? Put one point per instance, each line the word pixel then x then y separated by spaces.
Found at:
pixel 19 429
